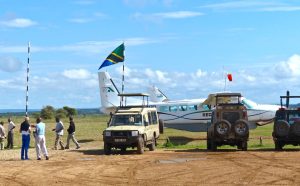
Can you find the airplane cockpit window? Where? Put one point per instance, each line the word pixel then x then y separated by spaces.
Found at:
pixel 182 108
pixel 118 120
pixel 205 107
pixel 249 104
pixel 173 108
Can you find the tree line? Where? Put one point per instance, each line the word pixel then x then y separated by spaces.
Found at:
pixel 49 112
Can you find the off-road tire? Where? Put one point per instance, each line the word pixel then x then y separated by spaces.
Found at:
pixel 140 145
pixel 161 126
pixel 213 145
pixel 208 144
pixel 246 128
pixel 107 149
pixel 224 123
pixel 152 145
pixel 244 145
pixel 278 145
pixel 281 128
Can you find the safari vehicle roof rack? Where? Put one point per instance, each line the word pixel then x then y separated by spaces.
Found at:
pixel 145 99
pixel 287 99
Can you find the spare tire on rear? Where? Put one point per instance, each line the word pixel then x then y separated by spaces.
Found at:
pixel 295 128
pixel 222 128
pixel 161 126
pixel 281 128
pixel 241 128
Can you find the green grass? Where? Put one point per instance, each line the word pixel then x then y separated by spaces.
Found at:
pixel 89 133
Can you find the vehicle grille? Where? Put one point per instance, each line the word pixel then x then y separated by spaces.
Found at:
pixel 121 133
pixel 232 117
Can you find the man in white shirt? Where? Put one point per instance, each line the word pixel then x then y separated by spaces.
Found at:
pixel 10 135
pixel 59 130
pixel 2 135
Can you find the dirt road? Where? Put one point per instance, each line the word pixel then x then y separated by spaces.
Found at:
pixel 161 167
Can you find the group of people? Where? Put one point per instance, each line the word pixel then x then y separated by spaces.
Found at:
pixel 39 136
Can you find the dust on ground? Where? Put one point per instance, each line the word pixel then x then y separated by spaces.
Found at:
pixel 88 166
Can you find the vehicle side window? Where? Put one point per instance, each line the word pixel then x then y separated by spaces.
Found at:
pixel 150 118
pixel 146 121
pixel 154 118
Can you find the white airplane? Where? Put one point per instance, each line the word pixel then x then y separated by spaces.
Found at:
pixel 189 114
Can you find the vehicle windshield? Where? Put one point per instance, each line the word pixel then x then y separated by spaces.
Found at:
pixel 228 100
pixel 133 119
pixel 249 104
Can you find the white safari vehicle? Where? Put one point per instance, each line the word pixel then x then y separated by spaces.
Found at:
pixel 133 126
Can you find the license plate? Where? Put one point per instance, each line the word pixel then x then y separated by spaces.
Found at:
pixel 120 140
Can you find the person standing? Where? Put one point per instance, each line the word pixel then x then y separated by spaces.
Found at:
pixel 59 130
pixel 40 139
pixel 10 135
pixel 71 134
pixel 25 131
pixel 2 135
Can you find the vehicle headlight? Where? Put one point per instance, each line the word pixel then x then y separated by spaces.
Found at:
pixel 135 133
pixel 107 133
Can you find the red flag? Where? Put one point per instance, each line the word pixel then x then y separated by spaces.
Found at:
pixel 229 76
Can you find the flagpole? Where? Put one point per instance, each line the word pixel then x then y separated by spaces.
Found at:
pixel 123 79
pixel 224 73
pixel 27 80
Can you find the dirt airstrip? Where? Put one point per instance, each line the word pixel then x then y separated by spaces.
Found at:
pixel 161 167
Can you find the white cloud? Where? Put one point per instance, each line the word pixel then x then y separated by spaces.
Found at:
pixel 281 9
pixel 10 64
pixel 177 15
pixel 76 74
pixel 18 23
pixel 80 20
pixel 200 73
pixel 158 17
pixel 83 47
pixel 289 68
pixel 265 6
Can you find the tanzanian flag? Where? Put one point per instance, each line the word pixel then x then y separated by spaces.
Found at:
pixel 115 57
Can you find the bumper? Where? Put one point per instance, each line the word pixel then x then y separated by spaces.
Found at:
pixel 121 141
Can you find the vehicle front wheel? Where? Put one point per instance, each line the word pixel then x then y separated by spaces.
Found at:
pixel 140 145
pixel 278 145
pixel 152 145
pixel 244 146
pixel 107 149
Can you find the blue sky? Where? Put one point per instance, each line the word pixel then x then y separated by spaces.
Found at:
pixel 180 46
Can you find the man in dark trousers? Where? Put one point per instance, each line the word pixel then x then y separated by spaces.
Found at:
pixel 71 134
pixel 25 131
pixel 10 135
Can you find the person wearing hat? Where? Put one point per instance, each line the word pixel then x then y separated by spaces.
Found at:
pixel 25 131
pixel 71 134
pixel 2 135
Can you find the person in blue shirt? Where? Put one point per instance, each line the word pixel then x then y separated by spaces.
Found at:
pixel 40 139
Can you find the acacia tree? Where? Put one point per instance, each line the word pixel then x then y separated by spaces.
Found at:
pixel 70 111
pixel 47 112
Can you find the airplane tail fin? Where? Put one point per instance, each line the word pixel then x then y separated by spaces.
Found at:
pixel 157 95
pixel 108 92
